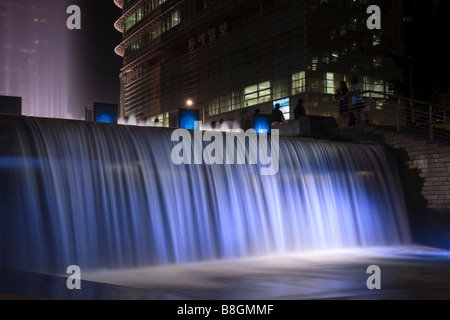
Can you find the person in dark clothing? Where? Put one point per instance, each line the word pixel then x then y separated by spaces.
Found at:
pixel 344 106
pixel 300 110
pixel 277 115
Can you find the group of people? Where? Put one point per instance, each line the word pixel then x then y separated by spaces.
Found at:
pixel 351 105
pixel 350 114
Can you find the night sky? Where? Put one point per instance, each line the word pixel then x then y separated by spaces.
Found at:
pixel 95 66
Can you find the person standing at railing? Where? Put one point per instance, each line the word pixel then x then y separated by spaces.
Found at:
pixel 300 110
pixel 344 107
pixel 357 101
pixel 277 115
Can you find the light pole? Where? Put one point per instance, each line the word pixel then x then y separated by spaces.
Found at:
pixel 190 103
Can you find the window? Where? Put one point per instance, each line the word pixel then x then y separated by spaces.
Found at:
pixel 335 56
pixel 226 102
pixel 172 21
pixel 314 63
pixel 163 120
pixel 376 40
pixel 141 12
pixel 264 92
pixel 214 107
pixel 330 83
pixel 257 94
pixel 251 96
pixel 373 85
pixel 238 100
pixel 298 82
pixel 157 29
pixel 281 88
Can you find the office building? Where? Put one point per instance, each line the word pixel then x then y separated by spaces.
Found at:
pixel 231 57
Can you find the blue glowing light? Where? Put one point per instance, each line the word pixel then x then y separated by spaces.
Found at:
pixel 105 113
pixel 188 118
pixel 262 123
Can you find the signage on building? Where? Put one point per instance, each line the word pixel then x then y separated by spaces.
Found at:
pixel 209 36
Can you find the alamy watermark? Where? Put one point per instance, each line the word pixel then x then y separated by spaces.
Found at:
pixel 374 281
pixel 189 149
pixel 74 20
pixel 374 21
pixel 74 281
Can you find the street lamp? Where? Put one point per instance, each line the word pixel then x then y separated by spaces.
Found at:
pixel 190 103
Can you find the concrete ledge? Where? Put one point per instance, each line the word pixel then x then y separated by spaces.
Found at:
pixel 307 126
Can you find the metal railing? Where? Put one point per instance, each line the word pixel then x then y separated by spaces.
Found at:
pixel 380 109
pixel 422 116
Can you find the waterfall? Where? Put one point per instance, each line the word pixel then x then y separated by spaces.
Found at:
pixel 109 197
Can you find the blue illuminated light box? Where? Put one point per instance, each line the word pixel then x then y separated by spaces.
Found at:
pixel 285 108
pixel 187 118
pixel 102 112
pixel 262 123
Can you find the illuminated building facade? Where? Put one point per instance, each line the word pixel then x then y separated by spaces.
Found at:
pixel 232 57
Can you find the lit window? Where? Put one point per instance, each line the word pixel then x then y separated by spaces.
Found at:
pixel 335 56
pixel 176 18
pixel 214 107
pixel 225 103
pixel 298 82
pixel 376 40
pixel 315 62
pixel 257 94
pixel 330 83
pixel 160 120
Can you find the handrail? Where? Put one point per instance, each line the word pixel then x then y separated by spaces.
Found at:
pixel 391 96
pixel 411 111
pixel 405 111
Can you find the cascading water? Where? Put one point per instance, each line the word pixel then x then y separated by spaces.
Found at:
pixel 107 196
